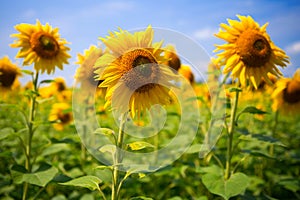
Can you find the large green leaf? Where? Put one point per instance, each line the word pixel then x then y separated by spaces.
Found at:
pixel 41 177
pixel 5 132
pixel 235 185
pixel 90 182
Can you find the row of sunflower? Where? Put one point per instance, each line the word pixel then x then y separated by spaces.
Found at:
pixel 129 76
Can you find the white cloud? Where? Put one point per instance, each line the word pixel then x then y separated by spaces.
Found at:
pixel 294 48
pixel 205 33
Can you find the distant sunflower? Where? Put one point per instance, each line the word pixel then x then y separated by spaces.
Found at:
pixel 56 87
pixel 186 72
pixel 249 54
pixel 8 73
pixel 172 59
pixel 131 72
pixel 41 45
pixel 60 115
pixel 286 95
pixel 85 73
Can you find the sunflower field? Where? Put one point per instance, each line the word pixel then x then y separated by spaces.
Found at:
pixel 137 124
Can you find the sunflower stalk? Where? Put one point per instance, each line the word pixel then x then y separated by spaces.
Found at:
pixel 28 146
pixel 116 183
pixel 231 130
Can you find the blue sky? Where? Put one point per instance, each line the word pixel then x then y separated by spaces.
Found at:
pixel 82 22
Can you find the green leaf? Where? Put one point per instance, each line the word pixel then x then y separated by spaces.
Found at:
pixel 234 89
pixel 262 138
pixel 141 198
pixel 104 131
pixel 108 148
pixel 5 132
pixel 234 186
pixel 90 182
pixel 258 153
pixel 195 148
pixel 55 148
pixel 253 110
pixel 41 177
pixel 290 184
pixel 27 72
pixel 139 145
pixel 47 81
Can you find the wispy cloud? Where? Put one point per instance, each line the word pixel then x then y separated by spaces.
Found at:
pixel 294 48
pixel 204 33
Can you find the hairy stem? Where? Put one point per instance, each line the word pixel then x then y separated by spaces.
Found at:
pixel 230 135
pixel 118 159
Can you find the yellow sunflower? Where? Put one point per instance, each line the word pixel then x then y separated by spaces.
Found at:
pixel 249 54
pixel 8 74
pixel 286 95
pixel 172 59
pixel 60 115
pixel 85 73
pixel 41 45
pixel 132 73
pixel 186 71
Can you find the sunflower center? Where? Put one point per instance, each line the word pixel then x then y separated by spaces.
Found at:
pixel 291 94
pixel 7 78
pixel 253 48
pixel 64 117
pixel 45 45
pixel 141 70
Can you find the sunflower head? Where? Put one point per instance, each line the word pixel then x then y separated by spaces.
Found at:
pixel 249 53
pixel 186 71
pixel 41 45
pixel 85 73
pixel 8 73
pixel 172 59
pixel 60 115
pixel 286 95
pixel 131 71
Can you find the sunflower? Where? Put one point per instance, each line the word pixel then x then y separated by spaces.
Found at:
pixel 186 71
pixel 286 95
pixel 60 115
pixel 172 59
pixel 132 73
pixel 85 73
pixel 41 45
pixel 249 54
pixel 57 87
pixel 8 74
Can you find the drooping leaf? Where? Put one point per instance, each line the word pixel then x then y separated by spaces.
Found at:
pixel 253 110
pixel 108 148
pixel 234 186
pixel 135 146
pixel 41 177
pixel 5 132
pixel 90 182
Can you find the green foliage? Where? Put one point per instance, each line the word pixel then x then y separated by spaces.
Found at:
pixel 90 182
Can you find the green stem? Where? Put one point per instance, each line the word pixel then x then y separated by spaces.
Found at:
pixel 215 102
pixel 28 164
pixel 230 135
pixel 274 132
pixel 118 159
